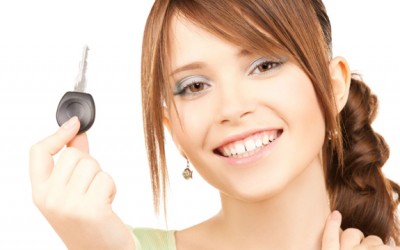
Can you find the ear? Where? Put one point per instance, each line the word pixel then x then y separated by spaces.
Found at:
pixel 340 78
pixel 167 124
pixel 166 120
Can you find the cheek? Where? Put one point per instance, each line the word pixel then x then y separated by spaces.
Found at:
pixel 305 120
pixel 296 102
pixel 306 108
pixel 190 124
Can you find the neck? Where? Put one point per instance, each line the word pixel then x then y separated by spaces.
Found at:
pixel 292 219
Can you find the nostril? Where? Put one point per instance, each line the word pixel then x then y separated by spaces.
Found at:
pixel 224 121
pixel 246 113
pixel 234 117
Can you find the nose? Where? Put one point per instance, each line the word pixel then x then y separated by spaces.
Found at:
pixel 235 104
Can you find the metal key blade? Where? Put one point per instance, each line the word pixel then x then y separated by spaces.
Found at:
pixel 80 85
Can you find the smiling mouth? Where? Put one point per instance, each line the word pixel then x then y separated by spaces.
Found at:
pixel 248 146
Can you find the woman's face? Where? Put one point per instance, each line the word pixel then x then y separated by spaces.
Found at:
pixel 249 123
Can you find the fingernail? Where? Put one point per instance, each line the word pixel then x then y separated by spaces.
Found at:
pixel 336 215
pixel 70 123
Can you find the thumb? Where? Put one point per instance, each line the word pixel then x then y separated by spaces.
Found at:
pixel 80 142
pixel 330 237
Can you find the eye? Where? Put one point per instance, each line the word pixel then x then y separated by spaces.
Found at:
pixel 196 87
pixel 193 85
pixel 263 65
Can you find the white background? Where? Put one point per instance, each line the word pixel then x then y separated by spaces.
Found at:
pixel 40 47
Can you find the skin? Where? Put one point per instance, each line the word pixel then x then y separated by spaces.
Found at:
pixel 74 194
pixel 290 212
pixel 237 103
pixel 86 221
pixel 280 196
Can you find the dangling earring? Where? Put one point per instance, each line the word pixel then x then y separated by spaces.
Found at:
pixel 187 173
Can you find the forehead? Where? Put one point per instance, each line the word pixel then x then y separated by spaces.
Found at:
pixel 187 35
pixel 189 41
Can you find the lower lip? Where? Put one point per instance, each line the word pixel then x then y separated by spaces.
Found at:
pixel 245 161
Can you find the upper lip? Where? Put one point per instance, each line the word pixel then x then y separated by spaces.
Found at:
pixel 243 136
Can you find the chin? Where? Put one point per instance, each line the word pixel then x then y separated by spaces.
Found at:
pixel 253 193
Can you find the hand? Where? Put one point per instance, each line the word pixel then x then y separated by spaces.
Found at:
pixel 74 195
pixel 351 239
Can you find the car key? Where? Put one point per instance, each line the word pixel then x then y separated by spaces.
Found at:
pixel 77 102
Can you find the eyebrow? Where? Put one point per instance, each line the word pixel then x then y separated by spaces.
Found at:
pixel 190 66
pixel 200 65
pixel 243 53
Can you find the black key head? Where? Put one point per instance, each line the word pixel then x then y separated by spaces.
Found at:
pixel 78 104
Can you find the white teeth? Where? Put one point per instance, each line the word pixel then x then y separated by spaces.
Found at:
pixel 265 139
pixel 250 145
pixel 227 152
pixel 258 142
pixel 240 149
pixel 232 149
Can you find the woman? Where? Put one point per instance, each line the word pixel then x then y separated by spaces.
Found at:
pixel 254 100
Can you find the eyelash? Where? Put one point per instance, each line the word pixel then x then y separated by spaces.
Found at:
pixel 264 62
pixel 184 87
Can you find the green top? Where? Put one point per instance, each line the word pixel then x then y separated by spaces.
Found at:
pixel 153 239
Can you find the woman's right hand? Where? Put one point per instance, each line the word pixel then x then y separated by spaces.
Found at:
pixel 75 195
pixel 350 239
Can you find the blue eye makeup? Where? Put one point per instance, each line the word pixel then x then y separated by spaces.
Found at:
pixel 191 86
pixel 264 65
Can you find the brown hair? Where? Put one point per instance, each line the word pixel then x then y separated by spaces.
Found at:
pixel 301 30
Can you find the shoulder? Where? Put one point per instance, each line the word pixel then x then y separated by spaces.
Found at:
pixel 205 235
pixel 150 238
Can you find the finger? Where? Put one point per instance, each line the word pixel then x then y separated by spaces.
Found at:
pixel 102 189
pixel 372 240
pixel 351 238
pixel 83 175
pixel 330 237
pixel 382 247
pixel 66 165
pixel 41 161
pixel 80 142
